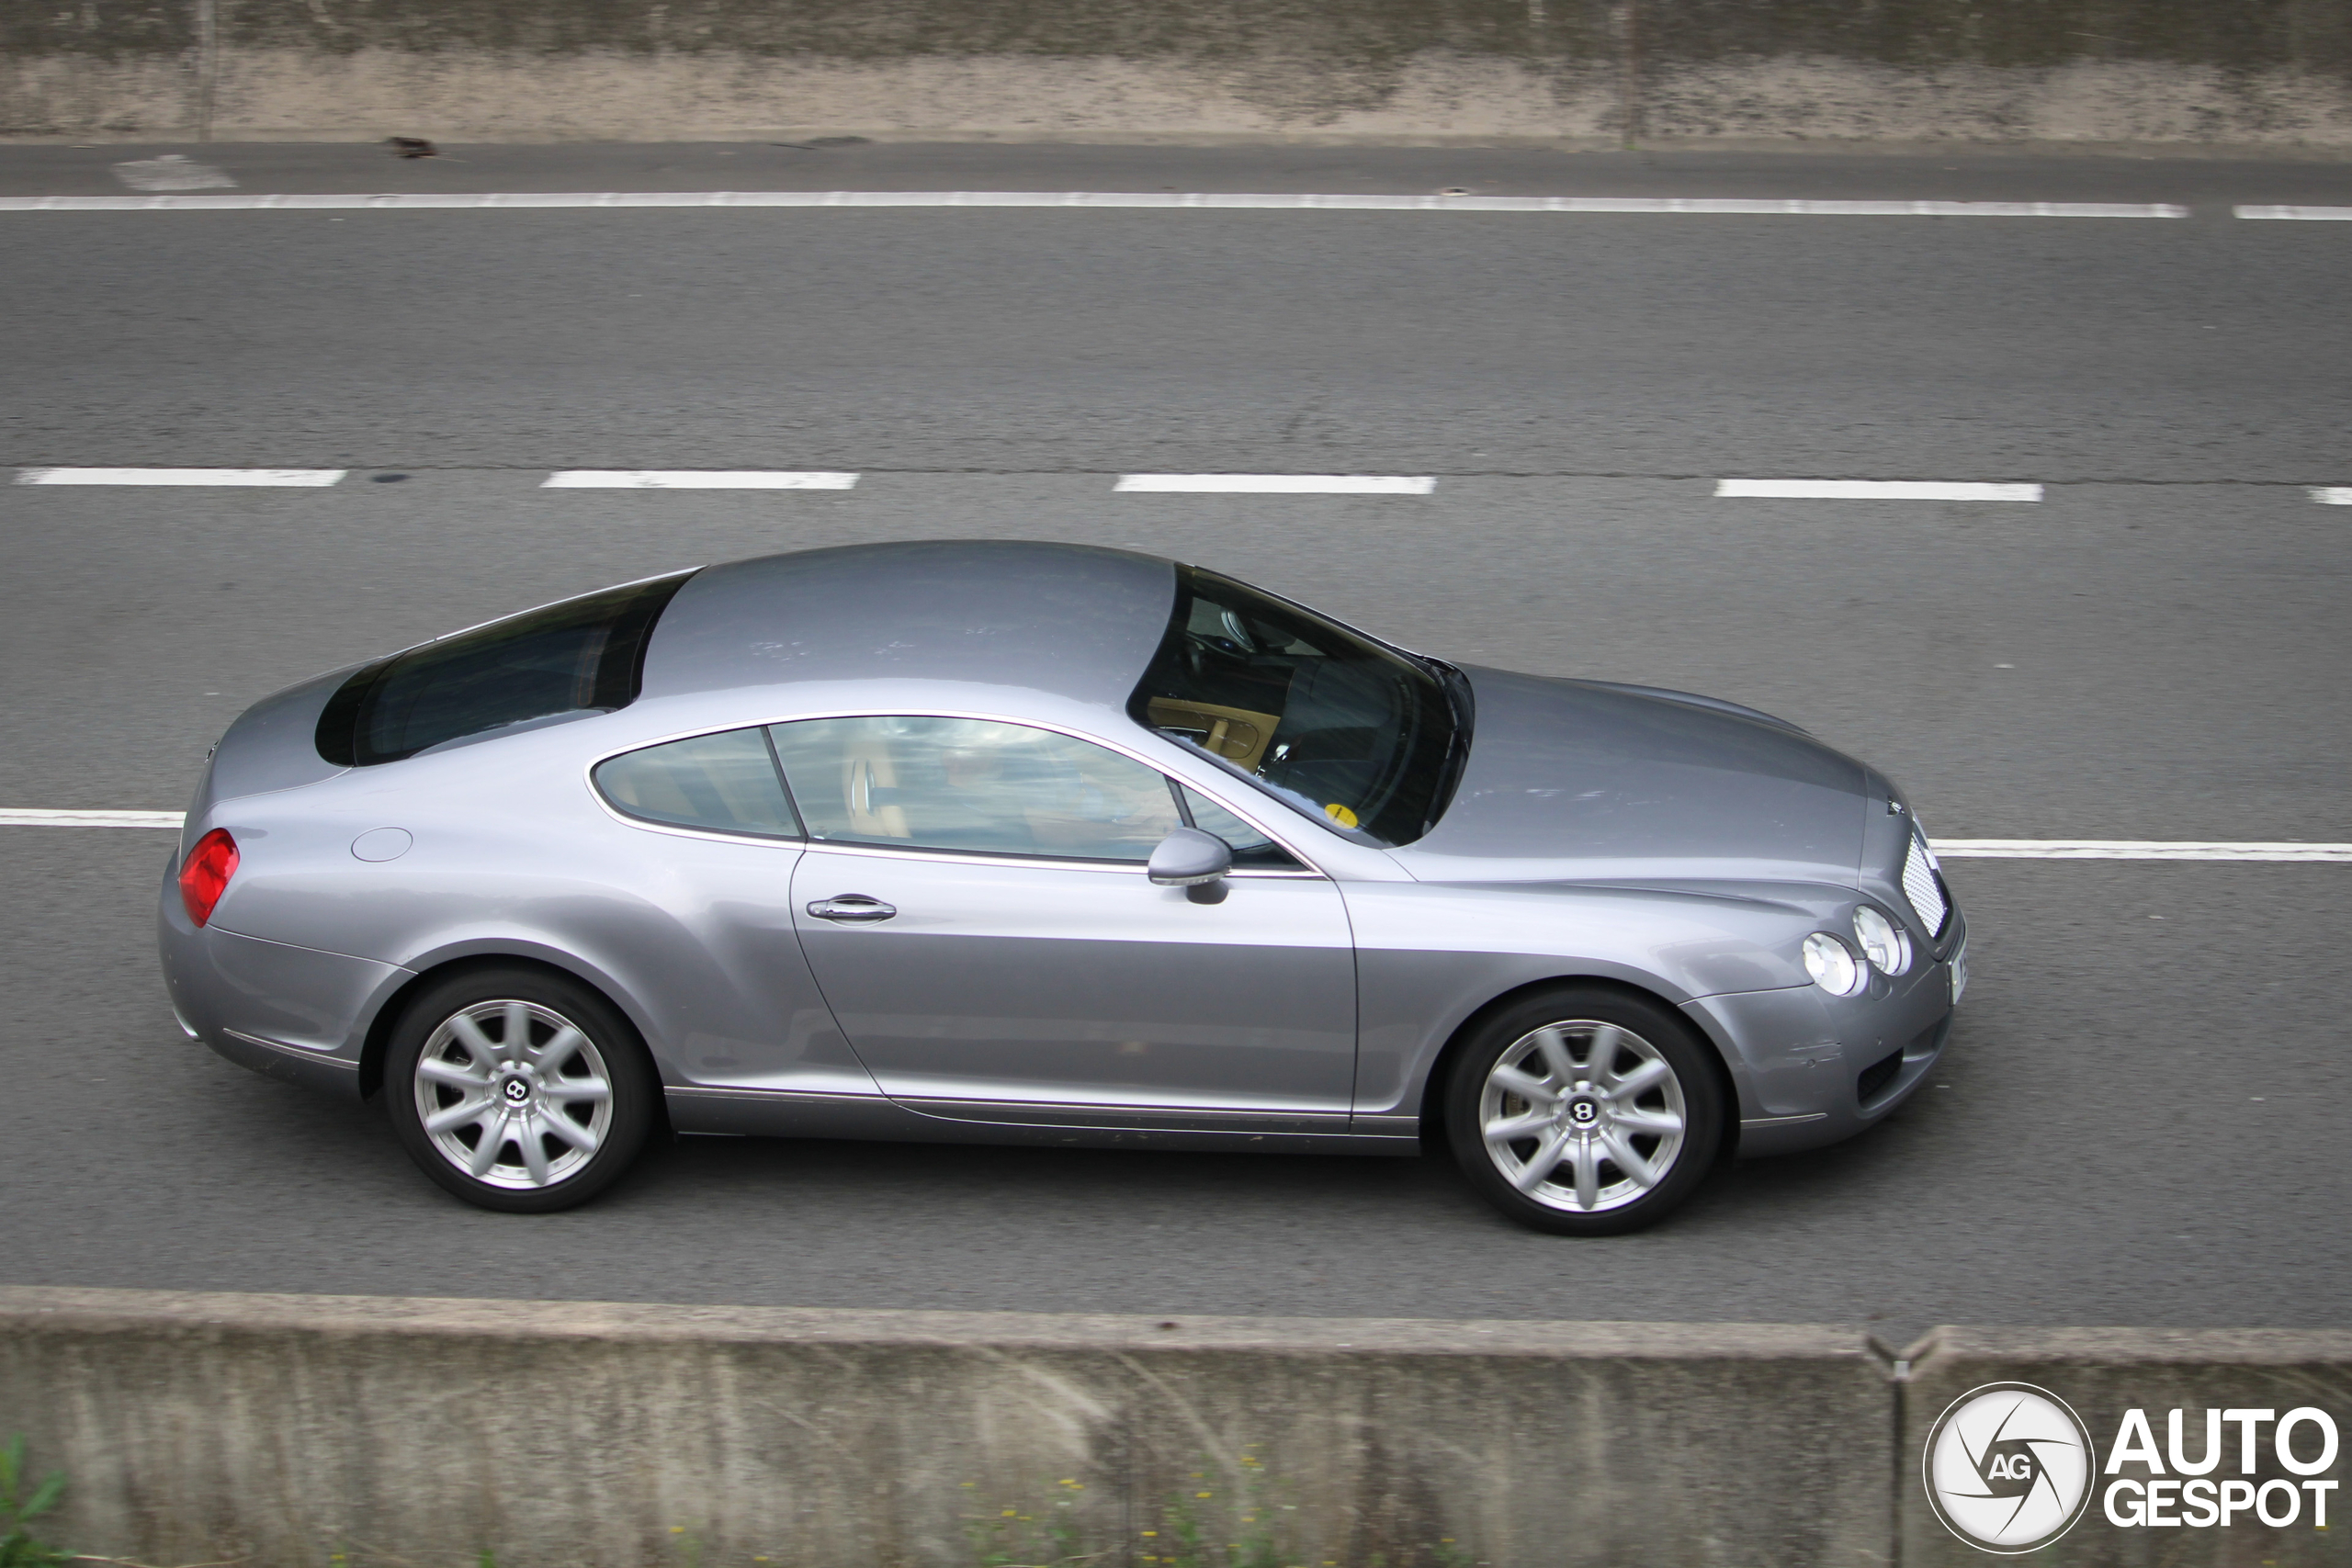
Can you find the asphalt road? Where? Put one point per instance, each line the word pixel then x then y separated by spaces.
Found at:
pixel 2141 1121
pixel 2139 351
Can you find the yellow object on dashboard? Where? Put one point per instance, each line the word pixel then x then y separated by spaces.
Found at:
pixel 1340 814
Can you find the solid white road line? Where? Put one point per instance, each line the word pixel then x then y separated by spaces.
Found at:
pixel 695 478
pixel 309 477
pixel 2332 495
pixel 1276 484
pixel 2134 849
pixel 1701 205
pixel 1948 849
pixel 1874 490
pixel 2301 214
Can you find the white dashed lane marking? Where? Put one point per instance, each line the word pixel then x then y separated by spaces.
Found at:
pixel 2134 849
pixel 173 171
pixel 1874 490
pixel 1164 484
pixel 1953 849
pixel 306 476
pixel 695 478
pixel 2298 214
pixel 1276 484
pixel 1728 206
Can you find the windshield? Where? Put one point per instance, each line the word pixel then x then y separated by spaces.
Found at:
pixel 1335 725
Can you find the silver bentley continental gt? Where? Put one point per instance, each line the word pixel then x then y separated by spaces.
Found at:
pixel 1038 843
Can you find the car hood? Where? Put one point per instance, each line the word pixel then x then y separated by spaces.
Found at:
pixel 1586 780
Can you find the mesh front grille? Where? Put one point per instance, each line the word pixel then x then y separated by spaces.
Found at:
pixel 1919 886
pixel 1877 1076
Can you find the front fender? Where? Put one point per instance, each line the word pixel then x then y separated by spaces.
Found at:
pixel 1430 955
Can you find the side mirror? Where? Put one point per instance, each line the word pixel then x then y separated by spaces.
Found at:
pixel 1189 858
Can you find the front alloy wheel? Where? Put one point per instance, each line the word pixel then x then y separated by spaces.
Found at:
pixel 519 1091
pixel 1586 1115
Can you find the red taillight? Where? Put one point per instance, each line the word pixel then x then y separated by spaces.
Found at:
pixel 205 874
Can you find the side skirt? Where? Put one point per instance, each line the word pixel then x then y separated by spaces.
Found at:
pixel 787 1114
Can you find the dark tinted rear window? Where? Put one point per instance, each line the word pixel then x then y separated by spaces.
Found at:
pixel 582 656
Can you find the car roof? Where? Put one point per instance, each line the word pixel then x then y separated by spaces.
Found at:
pixel 1077 621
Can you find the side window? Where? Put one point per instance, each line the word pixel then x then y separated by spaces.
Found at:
pixel 726 783
pixel 1252 851
pixel 973 786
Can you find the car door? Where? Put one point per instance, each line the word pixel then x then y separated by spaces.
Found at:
pixel 973 904
pixel 707 842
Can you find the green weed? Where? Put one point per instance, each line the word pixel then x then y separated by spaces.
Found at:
pixel 19 1549
pixel 1226 1525
pixel 1044 1536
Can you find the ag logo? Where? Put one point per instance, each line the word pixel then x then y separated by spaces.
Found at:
pixel 2008 1468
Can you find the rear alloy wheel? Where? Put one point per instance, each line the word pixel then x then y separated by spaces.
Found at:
pixel 1584 1113
pixel 518 1090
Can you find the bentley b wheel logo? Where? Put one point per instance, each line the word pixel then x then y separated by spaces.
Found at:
pixel 2008 1468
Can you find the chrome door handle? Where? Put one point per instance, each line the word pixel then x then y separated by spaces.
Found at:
pixel 853 907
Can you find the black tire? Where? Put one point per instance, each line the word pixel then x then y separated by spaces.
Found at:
pixel 520 1093
pixel 1583 1162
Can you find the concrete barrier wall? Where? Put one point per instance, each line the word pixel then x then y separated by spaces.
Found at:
pixel 2103 1374
pixel 280 1429
pixel 283 1430
pixel 2172 74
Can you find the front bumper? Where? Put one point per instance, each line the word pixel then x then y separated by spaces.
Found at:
pixel 1814 1069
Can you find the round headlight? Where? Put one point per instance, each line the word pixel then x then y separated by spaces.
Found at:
pixel 1833 965
pixel 1885 943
